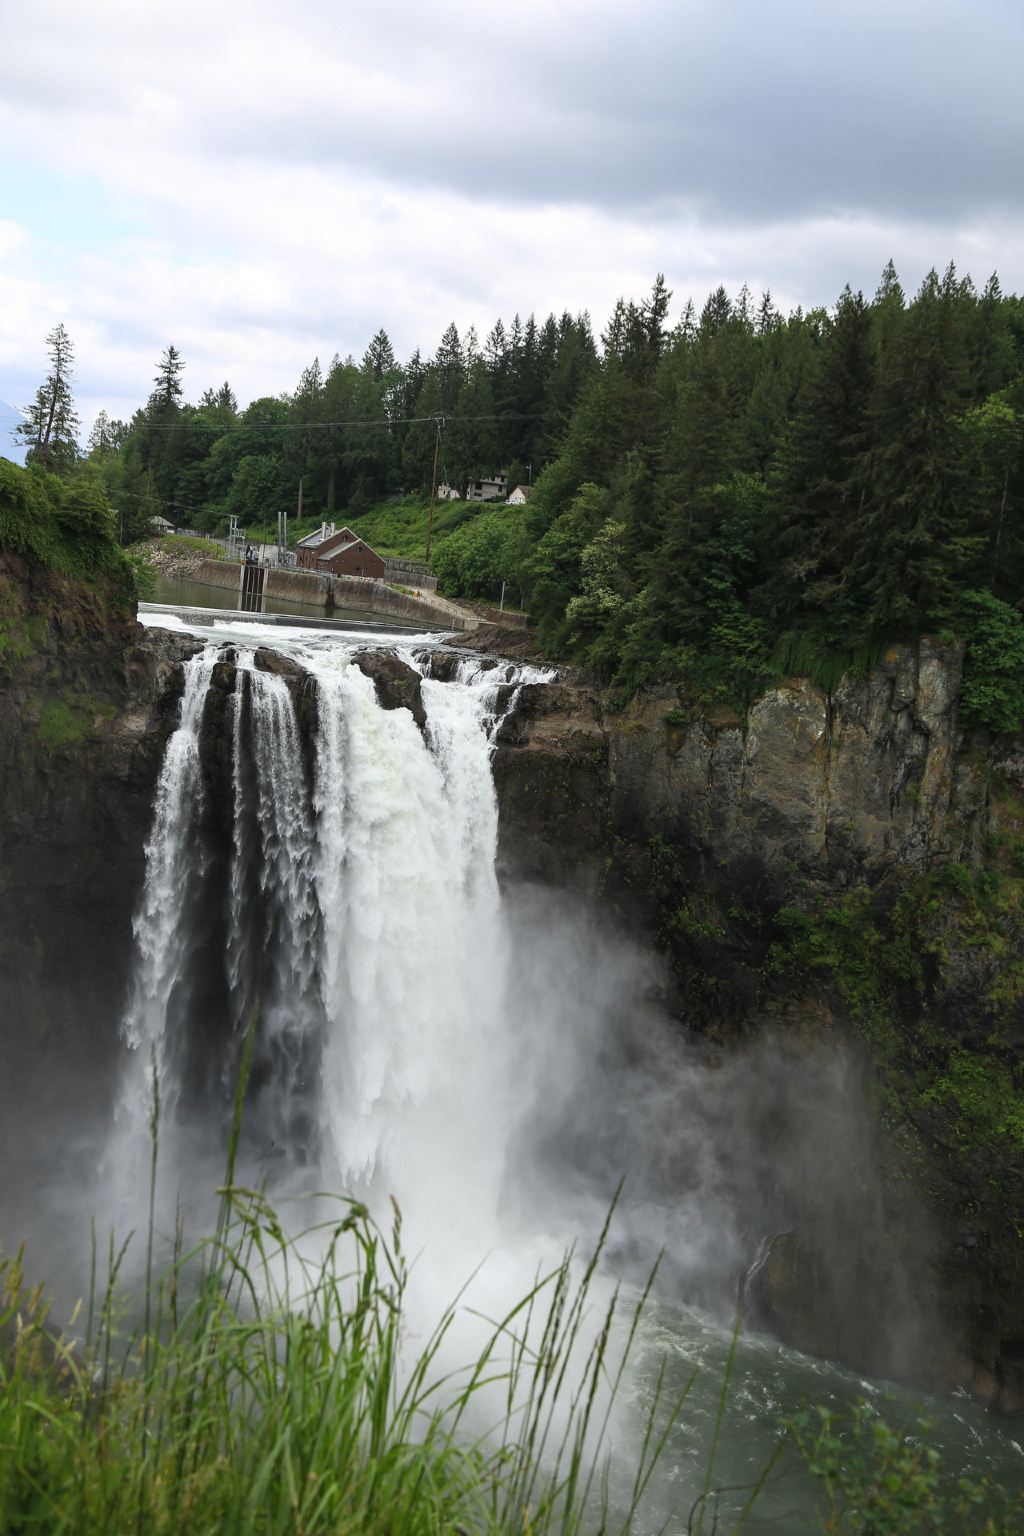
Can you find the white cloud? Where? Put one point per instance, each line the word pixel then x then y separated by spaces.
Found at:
pixel 263 188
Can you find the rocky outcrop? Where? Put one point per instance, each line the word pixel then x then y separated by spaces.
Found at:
pixel 397 684
pixel 841 872
pixel 811 787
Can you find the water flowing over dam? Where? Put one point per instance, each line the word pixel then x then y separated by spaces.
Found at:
pixel 493 1056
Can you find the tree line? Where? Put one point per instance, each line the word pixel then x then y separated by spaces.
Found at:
pixel 715 501
pixel 747 494
pixel 349 437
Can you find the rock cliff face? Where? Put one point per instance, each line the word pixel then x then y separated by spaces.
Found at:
pixel 838 873
pixel 809 787
pixel 87 700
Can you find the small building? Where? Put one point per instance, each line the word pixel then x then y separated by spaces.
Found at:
pixel 446 492
pixel 351 556
pixel 159 526
pixel 520 496
pixel 308 550
pixel 494 489
pixel 324 538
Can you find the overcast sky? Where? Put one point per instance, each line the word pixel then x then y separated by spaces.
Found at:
pixel 261 183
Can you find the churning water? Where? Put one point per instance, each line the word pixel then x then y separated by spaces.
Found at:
pixel 494 1060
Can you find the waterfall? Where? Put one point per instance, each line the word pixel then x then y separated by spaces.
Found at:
pixel 359 903
pixel 496 1061
pixel 161 927
pixel 412 957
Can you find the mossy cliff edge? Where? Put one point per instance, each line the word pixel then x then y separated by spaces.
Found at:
pixel 841 872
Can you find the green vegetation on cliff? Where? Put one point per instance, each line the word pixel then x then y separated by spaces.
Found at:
pixel 63 577
pixel 66 525
pixel 894 955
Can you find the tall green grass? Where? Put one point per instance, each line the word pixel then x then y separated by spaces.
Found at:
pixel 269 1387
pixel 266 1382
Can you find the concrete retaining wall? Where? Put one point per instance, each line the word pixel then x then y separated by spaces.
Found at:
pixel 215 573
pixel 378 597
pixel 410 573
pixel 329 592
pixel 299 587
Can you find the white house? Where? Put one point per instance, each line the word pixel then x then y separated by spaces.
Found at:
pixel 520 496
pixel 446 492
pixel 494 489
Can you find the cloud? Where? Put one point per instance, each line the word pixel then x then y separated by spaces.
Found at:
pixel 259 187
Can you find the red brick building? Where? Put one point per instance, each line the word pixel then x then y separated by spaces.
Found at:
pixel 317 543
pixel 347 555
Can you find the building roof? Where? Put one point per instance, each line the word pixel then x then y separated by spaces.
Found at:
pixel 527 491
pixel 339 549
pixel 318 536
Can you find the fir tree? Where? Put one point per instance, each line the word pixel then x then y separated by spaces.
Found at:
pixel 51 428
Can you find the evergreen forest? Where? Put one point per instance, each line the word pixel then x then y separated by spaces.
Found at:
pixel 740 495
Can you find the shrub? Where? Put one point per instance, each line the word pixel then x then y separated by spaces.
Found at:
pixel 992 696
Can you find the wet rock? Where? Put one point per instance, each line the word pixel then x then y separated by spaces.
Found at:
pixel 441 664
pixel 295 676
pixel 397 684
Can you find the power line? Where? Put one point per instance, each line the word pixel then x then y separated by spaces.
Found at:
pixel 323 426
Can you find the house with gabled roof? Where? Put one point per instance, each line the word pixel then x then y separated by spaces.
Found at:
pixel 348 555
pixel 309 550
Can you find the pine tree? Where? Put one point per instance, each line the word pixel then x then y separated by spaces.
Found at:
pixel 51 430
pixel 168 391
pixel 815 491
pixel 379 357
pixel 913 537
pixel 100 437
pixel 655 315
pixel 768 317
pixel 450 366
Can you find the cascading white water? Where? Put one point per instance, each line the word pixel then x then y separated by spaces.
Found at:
pixel 161 929
pixel 367 906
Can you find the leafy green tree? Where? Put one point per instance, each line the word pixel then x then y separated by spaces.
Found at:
pixel 477 558
pixel 992 697
pixel 259 489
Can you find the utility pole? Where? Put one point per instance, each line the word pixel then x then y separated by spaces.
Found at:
pixel 433 486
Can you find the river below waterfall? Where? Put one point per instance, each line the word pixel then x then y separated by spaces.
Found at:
pixel 495 1059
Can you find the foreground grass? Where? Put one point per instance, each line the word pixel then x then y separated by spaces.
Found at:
pixel 264 1384
pixel 268 1388
pixel 281 1398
